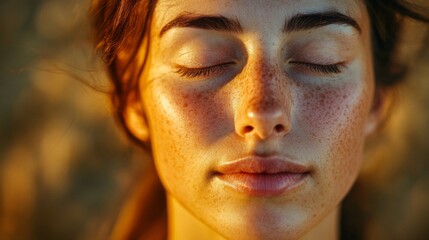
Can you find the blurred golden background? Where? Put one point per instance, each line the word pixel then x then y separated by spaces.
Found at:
pixel 65 167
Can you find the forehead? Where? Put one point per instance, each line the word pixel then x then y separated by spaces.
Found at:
pixel 267 14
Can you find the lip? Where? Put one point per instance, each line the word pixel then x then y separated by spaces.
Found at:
pixel 262 176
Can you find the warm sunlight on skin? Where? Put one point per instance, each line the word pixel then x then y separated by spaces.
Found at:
pixel 257 122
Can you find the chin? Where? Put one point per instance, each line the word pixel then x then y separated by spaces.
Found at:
pixel 263 232
pixel 265 223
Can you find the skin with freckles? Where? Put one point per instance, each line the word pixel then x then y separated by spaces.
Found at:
pixel 215 96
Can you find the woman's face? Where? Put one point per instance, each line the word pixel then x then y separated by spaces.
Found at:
pixel 258 110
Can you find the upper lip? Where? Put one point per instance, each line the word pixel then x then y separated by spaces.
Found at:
pixel 261 165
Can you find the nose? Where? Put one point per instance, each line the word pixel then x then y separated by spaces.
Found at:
pixel 265 111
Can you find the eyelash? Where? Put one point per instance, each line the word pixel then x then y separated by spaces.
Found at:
pixel 326 69
pixel 201 72
pixel 207 71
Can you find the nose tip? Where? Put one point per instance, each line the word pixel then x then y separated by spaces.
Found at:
pixel 265 120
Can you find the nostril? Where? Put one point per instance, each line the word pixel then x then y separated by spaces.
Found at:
pixel 248 129
pixel 279 128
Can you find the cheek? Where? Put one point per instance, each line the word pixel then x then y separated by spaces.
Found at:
pixel 324 108
pixel 333 111
pixel 183 123
pixel 333 118
pixel 191 115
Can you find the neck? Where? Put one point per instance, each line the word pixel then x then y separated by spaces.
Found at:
pixel 326 229
pixel 183 225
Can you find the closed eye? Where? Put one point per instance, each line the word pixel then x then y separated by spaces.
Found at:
pixel 320 68
pixel 201 72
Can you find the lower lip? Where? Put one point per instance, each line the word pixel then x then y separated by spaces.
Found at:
pixel 260 184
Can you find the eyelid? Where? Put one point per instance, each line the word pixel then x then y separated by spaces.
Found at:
pixel 204 51
pixel 204 64
pixel 200 59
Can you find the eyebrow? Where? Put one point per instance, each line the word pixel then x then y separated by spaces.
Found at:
pixel 319 19
pixel 209 22
pixel 298 22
